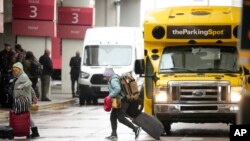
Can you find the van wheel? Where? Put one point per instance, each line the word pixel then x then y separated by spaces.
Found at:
pixel 82 96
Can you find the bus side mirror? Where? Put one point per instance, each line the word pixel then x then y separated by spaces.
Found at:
pixel 139 66
pixel 248 80
pixel 246 70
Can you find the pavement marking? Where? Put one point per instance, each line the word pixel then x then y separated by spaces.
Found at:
pixel 191 139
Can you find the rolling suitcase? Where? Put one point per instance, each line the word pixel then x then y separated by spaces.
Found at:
pixel 149 124
pixel 135 108
pixel 6 132
pixel 20 123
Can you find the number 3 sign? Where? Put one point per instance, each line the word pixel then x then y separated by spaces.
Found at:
pixel 75 16
pixel 33 9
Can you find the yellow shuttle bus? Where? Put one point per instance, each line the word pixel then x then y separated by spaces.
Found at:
pixel 190 65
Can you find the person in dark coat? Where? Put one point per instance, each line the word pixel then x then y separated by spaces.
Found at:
pixel 75 63
pixel 20 53
pixel 29 57
pixel 6 59
pixel 118 114
pixel 46 75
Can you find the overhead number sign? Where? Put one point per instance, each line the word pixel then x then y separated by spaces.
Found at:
pixel 1 6
pixel 74 21
pixel 75 16
pixel 33 9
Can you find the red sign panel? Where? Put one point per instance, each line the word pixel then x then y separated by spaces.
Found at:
pixel 33 9
pixel 33 28
pixel 1 23
pixel 72 31
pixel 1 6
pixel 56 53
pixel 75 16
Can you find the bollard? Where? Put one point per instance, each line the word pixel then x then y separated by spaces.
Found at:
pixel 243 116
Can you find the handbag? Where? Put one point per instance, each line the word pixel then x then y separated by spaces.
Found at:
pixel 116 102
pixel 21 104
pixel 107 105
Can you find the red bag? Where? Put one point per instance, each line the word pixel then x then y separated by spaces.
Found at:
pixel 107 105
pixel 20 123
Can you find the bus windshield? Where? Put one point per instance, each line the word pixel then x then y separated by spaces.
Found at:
pixel 107 55
pixel 199 59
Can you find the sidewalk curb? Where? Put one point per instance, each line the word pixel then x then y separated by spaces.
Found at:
pixel 53 105
pixel 4 114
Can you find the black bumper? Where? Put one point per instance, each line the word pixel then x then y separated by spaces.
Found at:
pixel 92 91
pixel 197 117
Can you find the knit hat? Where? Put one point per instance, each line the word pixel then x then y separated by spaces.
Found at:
pixel 108 72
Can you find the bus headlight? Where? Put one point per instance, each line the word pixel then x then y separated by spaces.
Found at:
pixel 236 94
pixel 160 95
pixel 84 75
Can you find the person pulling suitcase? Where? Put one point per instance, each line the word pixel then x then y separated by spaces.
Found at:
pixel 23 91
pixel 119 108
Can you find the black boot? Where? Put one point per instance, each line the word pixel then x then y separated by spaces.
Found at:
pixel 34 132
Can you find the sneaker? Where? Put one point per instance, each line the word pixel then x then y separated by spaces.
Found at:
pixel 112 137
pixel 137 132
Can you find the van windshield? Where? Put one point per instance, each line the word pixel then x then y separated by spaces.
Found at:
pixel 199 59
pixel 107 55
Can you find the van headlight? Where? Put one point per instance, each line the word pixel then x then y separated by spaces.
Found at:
pixel 84 75
pixel 236 94
pixel 160 95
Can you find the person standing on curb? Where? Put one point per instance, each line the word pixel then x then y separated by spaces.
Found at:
pixel 46 75
pixel 119 114
pixel 6 60
pixel 75 63
pixel 20 53
pixel 28 70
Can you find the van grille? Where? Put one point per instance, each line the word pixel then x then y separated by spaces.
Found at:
pixel 97 79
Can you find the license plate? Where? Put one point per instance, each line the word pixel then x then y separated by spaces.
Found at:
pixel 104 89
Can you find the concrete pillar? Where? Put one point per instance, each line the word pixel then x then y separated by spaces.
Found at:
pixel 130 13
pixel 105 13
pixel 70 46
pixel 243 116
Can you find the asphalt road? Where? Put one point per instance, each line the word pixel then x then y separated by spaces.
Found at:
pixel 91 123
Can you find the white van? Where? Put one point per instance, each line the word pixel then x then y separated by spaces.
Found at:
pixel 116 47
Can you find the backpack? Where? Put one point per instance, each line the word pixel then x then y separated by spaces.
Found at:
pixel 36 68
pixel 129 87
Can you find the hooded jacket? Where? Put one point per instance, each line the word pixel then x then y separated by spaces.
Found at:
pixel 23 83
pixel 115 87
